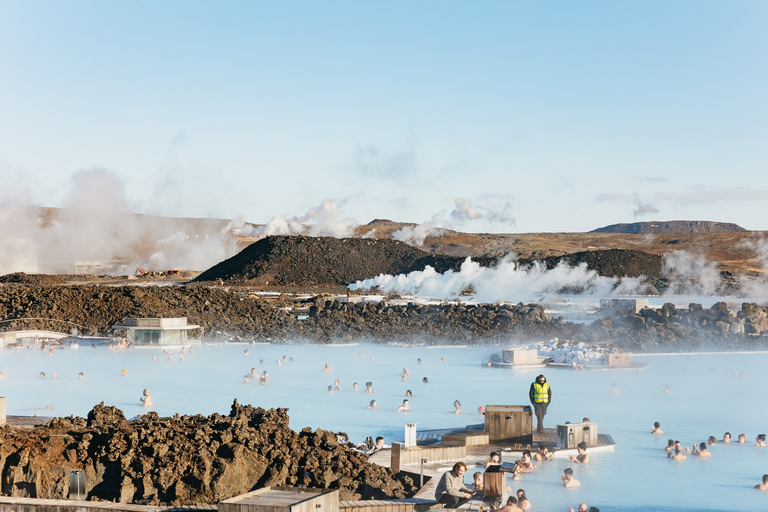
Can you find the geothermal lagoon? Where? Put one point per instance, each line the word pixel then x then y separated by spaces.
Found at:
pixel 709 396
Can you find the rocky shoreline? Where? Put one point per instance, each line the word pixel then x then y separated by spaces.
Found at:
pixel 186 459
pixel 238 314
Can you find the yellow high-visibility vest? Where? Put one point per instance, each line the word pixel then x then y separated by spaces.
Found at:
pixel 541 392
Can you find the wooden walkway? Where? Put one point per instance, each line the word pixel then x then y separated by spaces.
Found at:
pixel 406 505
pixel 26 421
pixel 41 505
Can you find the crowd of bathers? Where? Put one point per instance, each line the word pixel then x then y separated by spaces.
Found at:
pixel 676 451
pixel 517 501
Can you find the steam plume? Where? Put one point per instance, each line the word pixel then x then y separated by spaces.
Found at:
pixel 507 281
pixel 322 220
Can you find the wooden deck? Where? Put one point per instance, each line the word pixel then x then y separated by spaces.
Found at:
pixel 407 505
pixel 27 421
pixel 41 505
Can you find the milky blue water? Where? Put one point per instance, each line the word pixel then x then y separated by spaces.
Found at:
pixel 706 400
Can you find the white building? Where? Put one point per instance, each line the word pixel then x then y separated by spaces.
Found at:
pixel 156 331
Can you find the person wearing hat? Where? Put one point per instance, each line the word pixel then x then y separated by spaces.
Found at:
pixel 540 395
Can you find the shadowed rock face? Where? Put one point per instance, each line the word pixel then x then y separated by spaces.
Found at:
pixel 185 460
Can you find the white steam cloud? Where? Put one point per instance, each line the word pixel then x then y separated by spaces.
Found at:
pixel 506 281
pixel 462 213
pixel 690 274
pixel 758 286
pixel 94 233
pixel 323 220
pixel 415 235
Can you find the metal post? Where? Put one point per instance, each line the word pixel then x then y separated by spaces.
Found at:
pixel 77 485
pixel 421 475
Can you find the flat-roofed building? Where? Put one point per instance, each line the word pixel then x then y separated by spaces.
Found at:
pixel 156 331
pixel 632 306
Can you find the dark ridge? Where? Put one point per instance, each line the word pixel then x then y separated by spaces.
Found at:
pixel 612 262
pixel 672 226
pixel 312 261
pixel 33 279
pixel 387 222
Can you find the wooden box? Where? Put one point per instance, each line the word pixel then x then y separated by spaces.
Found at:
pixel 618 360
pixel 521 356
pixel 494 484
pixel 509 422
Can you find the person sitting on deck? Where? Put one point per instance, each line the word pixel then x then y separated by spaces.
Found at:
pixel 568 480
pixel 450 490
pixel 701 451
pixel 582 457
pixel 543 453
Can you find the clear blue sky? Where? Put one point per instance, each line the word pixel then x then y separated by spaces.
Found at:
pixel 568 115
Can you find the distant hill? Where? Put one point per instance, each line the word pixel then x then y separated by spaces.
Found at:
pixel 671 226
pixel 305 260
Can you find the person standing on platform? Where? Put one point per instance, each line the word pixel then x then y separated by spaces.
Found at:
pixel 540 395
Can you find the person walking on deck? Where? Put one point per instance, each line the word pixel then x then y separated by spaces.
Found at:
pixel 540 395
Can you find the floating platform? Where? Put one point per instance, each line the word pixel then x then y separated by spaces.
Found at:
pixel 633 365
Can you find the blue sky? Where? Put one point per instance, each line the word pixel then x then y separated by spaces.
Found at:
pixel 544 116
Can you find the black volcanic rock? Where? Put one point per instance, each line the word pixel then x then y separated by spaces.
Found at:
pixel 33 279
pixel 672 226
pixel 311 261
pixel 186 459
pixel 613 262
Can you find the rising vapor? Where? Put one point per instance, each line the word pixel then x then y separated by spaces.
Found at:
pixel 322 220
pixel 94 227
pixel 507 281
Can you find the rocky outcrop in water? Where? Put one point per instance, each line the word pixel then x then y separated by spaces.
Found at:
pixel 185 460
